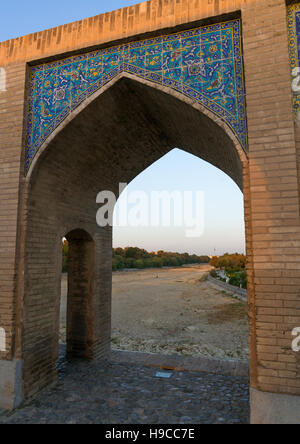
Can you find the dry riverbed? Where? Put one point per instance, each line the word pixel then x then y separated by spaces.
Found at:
pixel 175 311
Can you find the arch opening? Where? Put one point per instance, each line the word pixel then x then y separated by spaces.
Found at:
pixel 163 299
pixel 77 299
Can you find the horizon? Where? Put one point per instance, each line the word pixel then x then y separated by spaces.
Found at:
pixel 176 252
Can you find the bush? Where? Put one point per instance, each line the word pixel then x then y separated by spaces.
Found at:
pixel 139 264
pixel 239 279
pixel 157 262
pixel 235 268
pixel 114 265
pixel 129 262
pixel 234 281
pixel 119 261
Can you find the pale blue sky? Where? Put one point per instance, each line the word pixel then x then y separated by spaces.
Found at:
pixel 21 17
pixel 223 207
pixel 224 224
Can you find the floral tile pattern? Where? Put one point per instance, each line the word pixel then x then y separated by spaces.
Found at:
pixel 293 19
pixel 204 63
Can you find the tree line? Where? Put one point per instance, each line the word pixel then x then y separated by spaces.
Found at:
pixel 229 262
pixel 134 257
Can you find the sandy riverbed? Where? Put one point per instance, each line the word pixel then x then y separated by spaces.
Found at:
pixel 175 311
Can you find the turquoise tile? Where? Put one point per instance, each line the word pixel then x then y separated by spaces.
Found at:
pixel 204 63
pixel 172 59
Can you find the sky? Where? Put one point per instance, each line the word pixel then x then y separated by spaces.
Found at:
pixel 222 226
pixel 221 209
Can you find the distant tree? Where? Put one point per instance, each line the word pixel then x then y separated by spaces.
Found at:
pixel 119 251
pixel 236 262
pixel 136 253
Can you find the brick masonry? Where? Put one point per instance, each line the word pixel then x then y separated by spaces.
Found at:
pixel 99 145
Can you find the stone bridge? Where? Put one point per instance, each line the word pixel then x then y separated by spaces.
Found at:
pixel 91 104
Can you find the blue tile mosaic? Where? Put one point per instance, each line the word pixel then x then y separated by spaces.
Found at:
pixel 293 19
pixel 203 63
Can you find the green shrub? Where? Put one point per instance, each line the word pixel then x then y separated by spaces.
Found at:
pixel 139 264
pixel 157 262
pixel 129 262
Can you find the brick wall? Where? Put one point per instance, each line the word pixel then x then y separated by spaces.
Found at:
pixel 274 196
pixel 11 130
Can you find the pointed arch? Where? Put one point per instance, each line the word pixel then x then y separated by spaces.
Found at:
pixel 206 113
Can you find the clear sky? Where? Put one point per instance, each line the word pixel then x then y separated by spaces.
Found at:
pixel 21 17
pixel 223 201
pixel 223 207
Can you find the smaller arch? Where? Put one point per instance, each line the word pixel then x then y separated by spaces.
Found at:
pixel 80 326
pixel 78 234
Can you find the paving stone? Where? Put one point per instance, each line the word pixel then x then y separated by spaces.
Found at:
pixel 129 393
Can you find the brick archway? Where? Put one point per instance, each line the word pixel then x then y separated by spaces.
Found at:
pixel 113 137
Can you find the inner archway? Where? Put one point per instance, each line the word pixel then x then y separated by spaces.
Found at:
pixel 80 294
pixel 109 140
